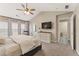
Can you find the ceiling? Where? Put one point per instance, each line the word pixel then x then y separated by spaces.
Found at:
pixel 9 9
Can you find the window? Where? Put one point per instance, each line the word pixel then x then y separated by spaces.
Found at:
pixel 22 28
pixel 3 28
pixel 8 28
pixel 14 28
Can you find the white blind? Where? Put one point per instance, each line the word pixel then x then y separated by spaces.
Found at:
pixel 3 28
pixel 22 28
pixel 14 28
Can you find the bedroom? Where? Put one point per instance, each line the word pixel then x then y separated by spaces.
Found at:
pixel 28 32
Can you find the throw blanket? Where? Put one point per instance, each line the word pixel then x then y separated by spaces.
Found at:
pixel 25 42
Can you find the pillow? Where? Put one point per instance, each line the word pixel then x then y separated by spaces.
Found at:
pixel 2 40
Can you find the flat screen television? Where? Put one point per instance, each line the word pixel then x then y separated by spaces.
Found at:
pixel 46 25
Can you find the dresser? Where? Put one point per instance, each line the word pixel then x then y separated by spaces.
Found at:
pixel 45 36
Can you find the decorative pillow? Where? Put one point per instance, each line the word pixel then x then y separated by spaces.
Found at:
pixel 2 40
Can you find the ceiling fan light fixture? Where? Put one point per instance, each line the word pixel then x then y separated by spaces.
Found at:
pixel 26 12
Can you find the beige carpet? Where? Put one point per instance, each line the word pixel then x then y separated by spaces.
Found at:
pixel 55 49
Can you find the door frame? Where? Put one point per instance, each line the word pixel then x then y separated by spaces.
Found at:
pixel 58 21
pixel 74 32
pixel 74 29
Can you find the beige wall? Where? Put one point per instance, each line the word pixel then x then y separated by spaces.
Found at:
pixel 71 30
pixel 77 28
pixel 45 17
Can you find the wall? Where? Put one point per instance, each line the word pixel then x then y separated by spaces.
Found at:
pixel 71 30
pixel 45 17
pixel 77 28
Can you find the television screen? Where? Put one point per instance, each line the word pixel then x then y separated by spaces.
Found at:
pixel 46 25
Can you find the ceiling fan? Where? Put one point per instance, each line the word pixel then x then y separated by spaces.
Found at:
pixel 26 10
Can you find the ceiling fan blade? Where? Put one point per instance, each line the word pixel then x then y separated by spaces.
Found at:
pixel 23 6
pixel 26 5
pixel 32 9
pixel 20 9
pixel 31 13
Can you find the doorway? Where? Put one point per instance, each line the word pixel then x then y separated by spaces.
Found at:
pixel 67 23
pixel 64 32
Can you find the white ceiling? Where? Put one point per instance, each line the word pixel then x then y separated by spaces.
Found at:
pixel 9 9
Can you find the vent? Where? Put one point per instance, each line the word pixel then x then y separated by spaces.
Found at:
pixel 66 6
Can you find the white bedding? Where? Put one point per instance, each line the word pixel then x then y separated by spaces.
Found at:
pixel 10 48
pixel 2 50
pixel 18 45
pixel 25 42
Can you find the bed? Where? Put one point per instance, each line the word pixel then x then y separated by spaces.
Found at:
pixel 20 45
pixel 9 48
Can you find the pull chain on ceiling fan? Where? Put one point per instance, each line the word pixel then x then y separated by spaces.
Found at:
pixel 26 10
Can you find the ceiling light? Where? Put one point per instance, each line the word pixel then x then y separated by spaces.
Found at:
pixel 26 12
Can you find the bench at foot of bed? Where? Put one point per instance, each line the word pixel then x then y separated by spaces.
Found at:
pixel 32 52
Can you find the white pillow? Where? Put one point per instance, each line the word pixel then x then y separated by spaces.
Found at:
pixel 2 40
